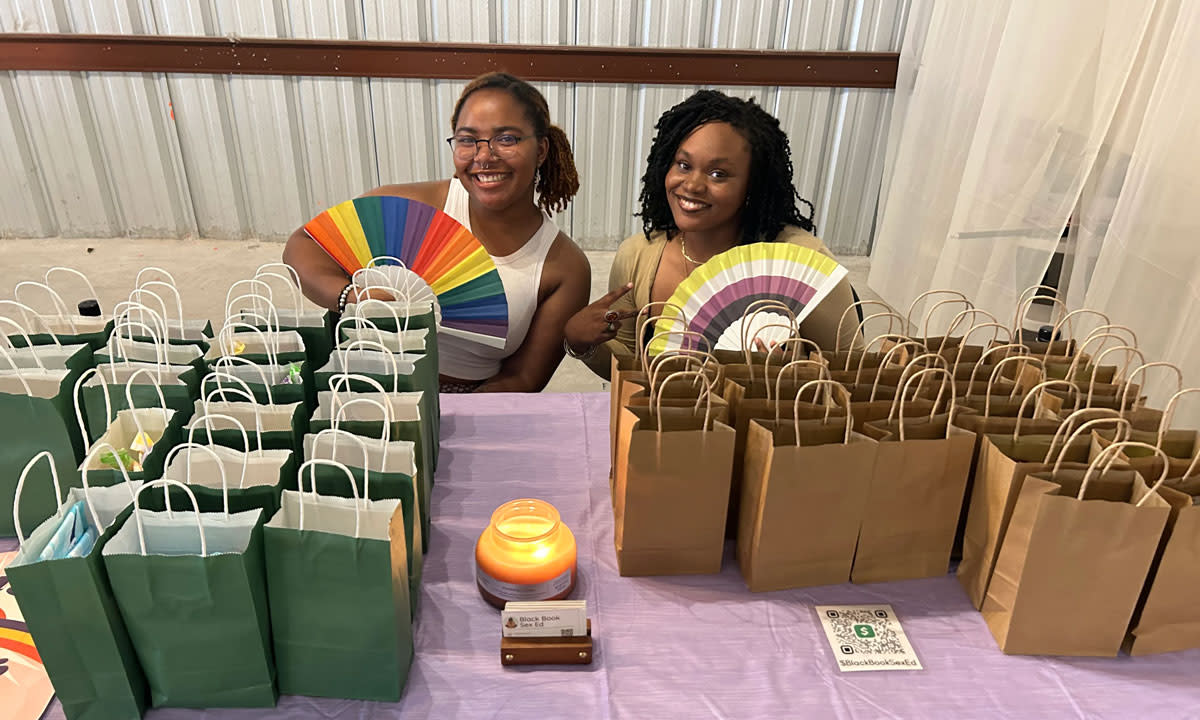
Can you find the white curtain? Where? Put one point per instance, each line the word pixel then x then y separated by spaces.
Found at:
pixel 1023 111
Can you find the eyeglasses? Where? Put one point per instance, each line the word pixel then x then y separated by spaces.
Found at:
pixel 465 146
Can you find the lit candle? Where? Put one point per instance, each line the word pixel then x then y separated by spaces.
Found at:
pixel 526 553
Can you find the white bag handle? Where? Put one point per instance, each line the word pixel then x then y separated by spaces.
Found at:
pixel 230 360
pixel 828 385
pixel 55 299
pixel 241 387
pixel 28 312
pixel 293 289
pixel 208 429
pixel 71 271
pixel 360 313
pixel 384 409
pixel 141 531
pixel 123 318
pixel 160 351
pixel 1110 454
pixel 363 345
pixel 333 434
pixel 187 472
pixel 261 310
pixel 150 270
pixel 135 301
pixel 225 339
pixel 236 392
pixel 16 508
pixel 364 324
pixel 108 411
pixel 271 267
pixel 312 477
pixel 167 287
pixel 20 331
pixel 257 289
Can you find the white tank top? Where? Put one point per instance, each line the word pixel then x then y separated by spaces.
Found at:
pixel 521 275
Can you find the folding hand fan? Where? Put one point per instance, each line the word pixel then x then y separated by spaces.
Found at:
pixel 715 296
pixel 431 244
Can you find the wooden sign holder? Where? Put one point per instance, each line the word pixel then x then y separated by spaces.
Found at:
pixel 547 650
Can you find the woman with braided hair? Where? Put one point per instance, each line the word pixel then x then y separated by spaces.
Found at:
pixel 719 174
pixel 512 169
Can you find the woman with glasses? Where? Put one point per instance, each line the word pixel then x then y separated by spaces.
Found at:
pixel 719 174
pixel 512 169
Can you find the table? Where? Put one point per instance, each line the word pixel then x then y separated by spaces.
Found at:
pixel 700 646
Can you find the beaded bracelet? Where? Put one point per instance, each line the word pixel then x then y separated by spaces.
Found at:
pixel 343 297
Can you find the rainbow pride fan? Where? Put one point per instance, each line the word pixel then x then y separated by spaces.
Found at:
pixel 431 244
pixel 715 296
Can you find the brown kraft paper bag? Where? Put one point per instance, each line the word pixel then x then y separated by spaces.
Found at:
pixel 804 489
pixel 916 491
pixel 672 489
pixel 1074 561
pixel 1003 462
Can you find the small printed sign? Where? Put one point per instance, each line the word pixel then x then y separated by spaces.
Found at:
pixel 867 637
pixel 560 618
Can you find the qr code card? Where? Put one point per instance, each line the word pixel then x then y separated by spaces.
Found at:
pixel 867 637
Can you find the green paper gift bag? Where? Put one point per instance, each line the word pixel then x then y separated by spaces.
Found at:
pixel 69 608
pixel 270 384
pixel 35 415
pixel 401 372
pixel 276 291
pixel 151 295
pixel 271 346
pixel 178 385
pixel 144 434
pixel 145 342
pixel 382 470
pixel 278 426
pixel 339 594
pixel 191 588
pixel 61 325
pixel 381 415
pixel 222 477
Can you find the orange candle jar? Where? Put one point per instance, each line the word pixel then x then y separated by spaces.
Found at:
pixel 526 553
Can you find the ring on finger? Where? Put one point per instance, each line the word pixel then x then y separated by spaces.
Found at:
pixel 611 317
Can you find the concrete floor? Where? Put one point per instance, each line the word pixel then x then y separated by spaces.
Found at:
pixel 204 269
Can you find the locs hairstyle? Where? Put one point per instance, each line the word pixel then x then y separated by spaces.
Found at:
pixel 770 196
pixel 557 180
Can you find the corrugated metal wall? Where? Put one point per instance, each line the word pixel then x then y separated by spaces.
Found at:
pixel 170 155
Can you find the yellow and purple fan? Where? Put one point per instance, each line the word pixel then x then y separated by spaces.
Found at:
pixel 716 295
pixel 429 243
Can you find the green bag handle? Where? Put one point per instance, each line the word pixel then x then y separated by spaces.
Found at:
pixel 312 476
pixel 333 433
pixel 208 418
pixel 187 476
pixel 137 517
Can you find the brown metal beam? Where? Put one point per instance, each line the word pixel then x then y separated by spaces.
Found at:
pixel 352 58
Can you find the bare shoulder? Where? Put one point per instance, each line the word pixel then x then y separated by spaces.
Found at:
pixel 569 261
pixel 431 193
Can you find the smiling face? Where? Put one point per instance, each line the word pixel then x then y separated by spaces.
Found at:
pixel 498 180
pixel 707 181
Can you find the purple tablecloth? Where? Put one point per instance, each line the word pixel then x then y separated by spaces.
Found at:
pixel 692 647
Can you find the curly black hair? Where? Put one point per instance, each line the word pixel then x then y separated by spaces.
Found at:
pixel 771 197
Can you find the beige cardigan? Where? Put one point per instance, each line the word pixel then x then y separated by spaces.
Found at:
pixel 637 260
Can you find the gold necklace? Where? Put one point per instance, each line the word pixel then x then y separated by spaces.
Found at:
pixel 683 251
